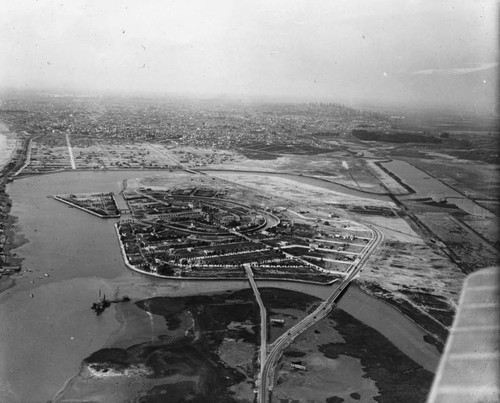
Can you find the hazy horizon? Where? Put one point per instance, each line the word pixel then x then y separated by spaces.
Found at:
pixel 413 53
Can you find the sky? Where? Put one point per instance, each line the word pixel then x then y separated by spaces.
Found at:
pixel 421 52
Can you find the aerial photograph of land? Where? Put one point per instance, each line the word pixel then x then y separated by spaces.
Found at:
pixel 249 202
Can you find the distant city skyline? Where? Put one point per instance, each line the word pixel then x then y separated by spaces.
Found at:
pixel 409 53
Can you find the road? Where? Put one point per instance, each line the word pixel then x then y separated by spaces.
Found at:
pixel 70 152
pixel 158 150
pixel 27 157
pixel 263 318
pixel 266 376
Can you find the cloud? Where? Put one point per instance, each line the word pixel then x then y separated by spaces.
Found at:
pixel 456 71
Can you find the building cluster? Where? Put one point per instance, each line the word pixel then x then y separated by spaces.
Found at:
pixel 174 121
pixel 198 232
pixel 100 204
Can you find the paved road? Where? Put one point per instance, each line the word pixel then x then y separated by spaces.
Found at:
pixel 70 152
pixel 263 318
pixel 276 349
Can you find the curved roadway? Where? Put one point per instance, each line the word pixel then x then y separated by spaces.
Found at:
pixel 275 350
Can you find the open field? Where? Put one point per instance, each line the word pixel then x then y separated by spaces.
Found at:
pixel 478 180
pixel 403 269
pixel 472 145
pixel 47 158
pixel 470 249
pixel 394 228
pixel 344 361
pixel 486 227
pixel 51 152
pixel 284 188
pixel 337 167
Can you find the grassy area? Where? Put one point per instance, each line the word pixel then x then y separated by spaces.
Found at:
pixel 397 377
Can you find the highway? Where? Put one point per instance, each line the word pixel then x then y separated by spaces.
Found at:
pixel 266 377
pixel 263 318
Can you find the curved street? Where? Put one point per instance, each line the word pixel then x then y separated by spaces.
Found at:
pixel 266 377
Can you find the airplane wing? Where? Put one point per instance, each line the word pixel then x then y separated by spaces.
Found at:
pixel 469 370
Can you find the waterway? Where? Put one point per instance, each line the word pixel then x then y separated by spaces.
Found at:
pixel 44 338
pixel 428 186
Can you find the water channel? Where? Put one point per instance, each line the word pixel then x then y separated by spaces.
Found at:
pixel 69 255
pixel 428 186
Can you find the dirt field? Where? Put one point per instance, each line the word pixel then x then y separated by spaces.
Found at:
pixel 403 269
pixel 337 167
pixel 468 247
pixel 394 228
pixel 307 195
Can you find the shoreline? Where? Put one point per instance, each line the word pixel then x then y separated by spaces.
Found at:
pixel 149 288
pixel 16 243
pixel 8 153
pixel 155 275
pixel 116 339
pixel 439 344
pixel 56 197
pixel 7 221
pixel 391 306
pixel 13 239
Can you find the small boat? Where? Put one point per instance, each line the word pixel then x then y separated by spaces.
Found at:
pixel 101 304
